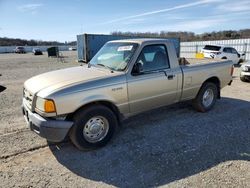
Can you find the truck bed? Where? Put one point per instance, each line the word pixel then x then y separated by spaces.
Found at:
pixel 196 71
pixel 195 61
pixel 202 61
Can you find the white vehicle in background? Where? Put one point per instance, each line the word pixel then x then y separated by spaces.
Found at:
pixel 72 48
pixel 223 52
pixel 245 72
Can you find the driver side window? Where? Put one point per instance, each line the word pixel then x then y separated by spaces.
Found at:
pixel 153 57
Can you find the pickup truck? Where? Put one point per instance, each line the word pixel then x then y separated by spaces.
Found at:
pixel 126 77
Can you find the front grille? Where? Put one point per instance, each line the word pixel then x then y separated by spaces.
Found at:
pixel 28 97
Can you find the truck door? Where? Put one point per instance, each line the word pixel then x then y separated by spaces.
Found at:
pixel 156 84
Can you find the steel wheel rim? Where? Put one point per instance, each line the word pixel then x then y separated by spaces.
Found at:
pixel 208 97
pixel 96 129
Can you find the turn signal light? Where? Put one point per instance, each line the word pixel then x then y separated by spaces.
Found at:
pixel 49 106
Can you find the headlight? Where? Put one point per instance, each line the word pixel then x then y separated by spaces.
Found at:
pixel 245 68
pixel 45 105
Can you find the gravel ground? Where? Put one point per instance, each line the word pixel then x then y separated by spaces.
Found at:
pixel 173 146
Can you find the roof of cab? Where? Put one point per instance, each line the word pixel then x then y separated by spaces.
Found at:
pixel 141 40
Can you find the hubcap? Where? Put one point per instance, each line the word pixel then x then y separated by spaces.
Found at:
pixel 96 129
pixel 208 97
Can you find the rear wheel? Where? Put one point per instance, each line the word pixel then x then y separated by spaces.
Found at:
pixel 93 127
pixel 240 61
pixel 206 97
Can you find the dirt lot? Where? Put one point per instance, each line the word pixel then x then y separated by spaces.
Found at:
pixel 173 146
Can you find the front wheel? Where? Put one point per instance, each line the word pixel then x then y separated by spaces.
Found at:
pixel 243 79
pixel 206 97
pixel 93 127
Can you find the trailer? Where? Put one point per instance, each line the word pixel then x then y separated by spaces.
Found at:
pixel 89 44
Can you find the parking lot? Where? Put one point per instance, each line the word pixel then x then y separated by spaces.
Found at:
pixel 172 146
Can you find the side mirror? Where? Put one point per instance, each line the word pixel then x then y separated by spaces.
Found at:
pixel 137 69
pixel 243 54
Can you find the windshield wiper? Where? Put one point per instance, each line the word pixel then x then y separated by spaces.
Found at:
pixel 107 67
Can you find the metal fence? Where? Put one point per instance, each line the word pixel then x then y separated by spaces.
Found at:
pixel 189 49
pixel 9 49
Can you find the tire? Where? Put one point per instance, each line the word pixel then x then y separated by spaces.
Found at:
pixel 202 103
pixel 243 79
pixel 93 127
pixel 240 61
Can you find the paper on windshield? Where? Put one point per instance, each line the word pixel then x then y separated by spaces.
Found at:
pixel 125 48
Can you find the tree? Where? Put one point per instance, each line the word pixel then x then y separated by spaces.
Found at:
pixel 191 36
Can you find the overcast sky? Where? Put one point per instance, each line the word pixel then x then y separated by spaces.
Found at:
pixel 62 20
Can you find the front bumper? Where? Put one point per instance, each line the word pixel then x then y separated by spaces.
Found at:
pixel 52 130
pixel 245 74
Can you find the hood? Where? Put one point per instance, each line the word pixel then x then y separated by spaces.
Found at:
pixel 62 78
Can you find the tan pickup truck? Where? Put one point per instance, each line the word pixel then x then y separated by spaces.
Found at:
pixel 124 78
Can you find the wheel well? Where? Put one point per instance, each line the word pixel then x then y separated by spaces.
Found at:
pixel 216 81
pixel 224 57
pixel 241 60
pixel 107 104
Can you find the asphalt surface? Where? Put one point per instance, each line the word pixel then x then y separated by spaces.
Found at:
pixel 173 146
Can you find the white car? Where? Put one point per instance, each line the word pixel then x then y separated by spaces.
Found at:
pixel 222 52
pixel 72 48
pixel 245 72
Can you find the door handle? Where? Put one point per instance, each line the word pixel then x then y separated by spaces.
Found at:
pixel 171 77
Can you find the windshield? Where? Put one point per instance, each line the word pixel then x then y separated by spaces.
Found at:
pixel 114 56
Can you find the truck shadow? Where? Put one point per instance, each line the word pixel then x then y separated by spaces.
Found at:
pixel 2 88
pixel 165 145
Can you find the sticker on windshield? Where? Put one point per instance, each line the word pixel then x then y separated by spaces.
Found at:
pixel 125 48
